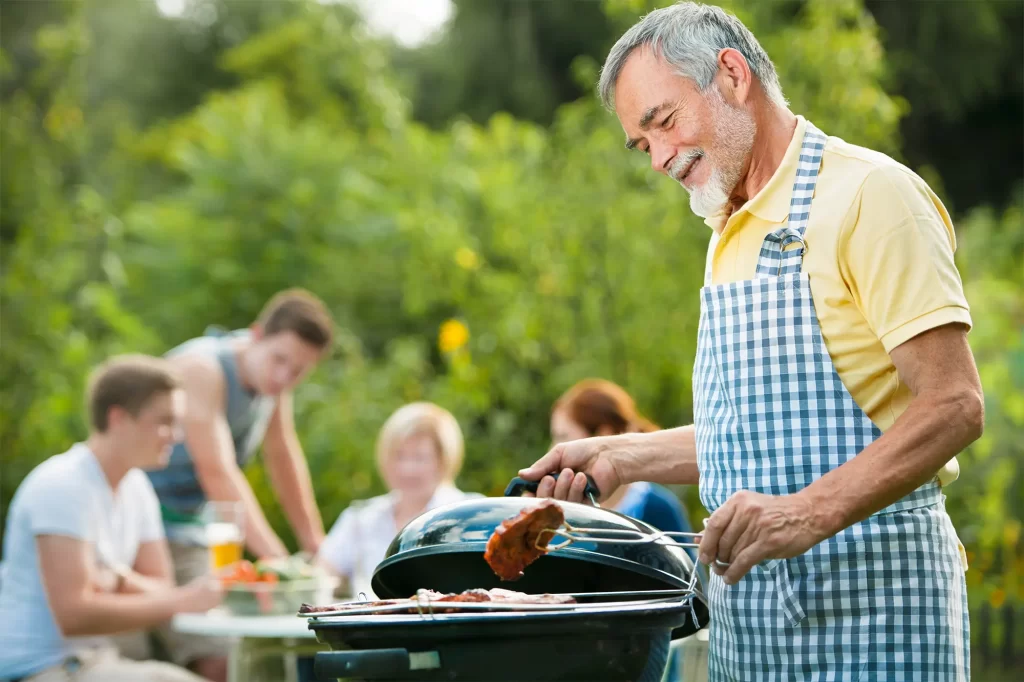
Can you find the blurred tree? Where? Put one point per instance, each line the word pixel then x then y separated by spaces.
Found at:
pixel 486 266
pixel 988 500
pixel 62 274
pixel 957 64
pixel 547 246
pixel 505 55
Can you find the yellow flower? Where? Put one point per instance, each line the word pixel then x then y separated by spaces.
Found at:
pixel 546 284
pixel 453 336
pixel 1011 533
pixel 466 258
pixel 997 598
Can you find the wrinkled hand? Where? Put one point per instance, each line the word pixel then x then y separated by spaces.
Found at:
pixel 752 527
pixel 573 461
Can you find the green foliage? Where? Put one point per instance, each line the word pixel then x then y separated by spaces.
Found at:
pixel 988 501
pixel 558 253
pixel 957 62
pixel 505 56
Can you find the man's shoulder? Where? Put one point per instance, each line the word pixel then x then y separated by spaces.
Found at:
pixel 60 481
pixel 871 173
pixel 196 362
pixel 57 472
pixel 202 375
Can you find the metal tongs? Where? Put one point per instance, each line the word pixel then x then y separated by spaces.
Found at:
pixel 619 536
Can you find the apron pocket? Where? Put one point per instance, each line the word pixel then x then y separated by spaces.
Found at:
pixel 836 583
pixel 789 601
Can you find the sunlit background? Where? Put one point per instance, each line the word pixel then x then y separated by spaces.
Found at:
pixel 441 174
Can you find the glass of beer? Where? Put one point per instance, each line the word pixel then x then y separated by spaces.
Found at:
pixel 225 536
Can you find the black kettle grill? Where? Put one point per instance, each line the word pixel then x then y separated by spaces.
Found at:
pixel 632 599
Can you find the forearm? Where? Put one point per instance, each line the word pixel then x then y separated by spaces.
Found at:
pixel 102 613
pixel 260 538
pixel 928 434
pixel 668 457
pixel 289 475
pixel 136 583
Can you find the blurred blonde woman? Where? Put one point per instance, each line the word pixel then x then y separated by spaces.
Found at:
pixel 419 455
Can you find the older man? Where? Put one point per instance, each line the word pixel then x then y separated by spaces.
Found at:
pixel 833 383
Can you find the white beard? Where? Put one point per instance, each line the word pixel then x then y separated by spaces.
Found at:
pixel 734 137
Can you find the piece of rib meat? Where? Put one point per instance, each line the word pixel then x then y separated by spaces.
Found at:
pixel 509 597
pixel 497 595
pixel 428 595
pixel 521 540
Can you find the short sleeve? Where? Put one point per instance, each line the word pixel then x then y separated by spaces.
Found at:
pixel 896 255
pixel 151 525
pixel 60 508
pixel 338 549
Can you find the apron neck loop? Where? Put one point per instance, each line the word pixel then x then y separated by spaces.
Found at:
pixel 778 255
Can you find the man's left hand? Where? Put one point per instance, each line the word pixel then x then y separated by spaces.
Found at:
pixel 752 527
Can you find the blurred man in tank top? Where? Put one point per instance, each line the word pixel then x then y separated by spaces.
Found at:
pixel 238 384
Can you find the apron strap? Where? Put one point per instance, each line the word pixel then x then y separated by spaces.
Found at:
pixel 806 178
pixel 775 259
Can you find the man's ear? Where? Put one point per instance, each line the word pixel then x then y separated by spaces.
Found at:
pixel 735 79
pixel 116 415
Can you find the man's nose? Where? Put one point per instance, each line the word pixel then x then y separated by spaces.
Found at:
pixel 661 158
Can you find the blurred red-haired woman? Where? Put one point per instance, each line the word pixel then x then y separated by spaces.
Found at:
pixel 596 407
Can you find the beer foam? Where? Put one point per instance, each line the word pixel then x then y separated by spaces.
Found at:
pixel 222 533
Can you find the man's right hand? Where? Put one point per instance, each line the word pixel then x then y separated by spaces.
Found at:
pixel 573 461
pixel 201 594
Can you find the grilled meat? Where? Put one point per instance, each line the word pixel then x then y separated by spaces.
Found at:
pixel 521 540
pixel 417 603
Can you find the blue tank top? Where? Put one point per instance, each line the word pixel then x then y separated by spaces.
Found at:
pixel 248 415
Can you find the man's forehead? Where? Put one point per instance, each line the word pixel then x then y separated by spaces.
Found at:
pixel 646 83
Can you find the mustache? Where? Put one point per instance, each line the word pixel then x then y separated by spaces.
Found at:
pixel 680 164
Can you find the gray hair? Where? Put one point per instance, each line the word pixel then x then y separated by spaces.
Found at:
pixel 689 37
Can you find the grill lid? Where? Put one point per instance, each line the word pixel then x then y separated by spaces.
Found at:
pixel 442 550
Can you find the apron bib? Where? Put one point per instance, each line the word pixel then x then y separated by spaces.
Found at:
pixel 884 599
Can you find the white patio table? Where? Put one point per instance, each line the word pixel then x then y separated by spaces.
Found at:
pixel 253 638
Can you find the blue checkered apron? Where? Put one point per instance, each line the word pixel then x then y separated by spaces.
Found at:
pixel 884 599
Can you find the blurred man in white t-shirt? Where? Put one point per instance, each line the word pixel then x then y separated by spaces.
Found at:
pixel 84 554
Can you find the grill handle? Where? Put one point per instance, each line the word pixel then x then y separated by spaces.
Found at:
pixel 517 486
pixel 372 664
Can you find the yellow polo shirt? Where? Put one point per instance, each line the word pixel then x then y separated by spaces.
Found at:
pixel 879 256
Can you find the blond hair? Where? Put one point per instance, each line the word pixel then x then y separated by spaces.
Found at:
pixel 423 418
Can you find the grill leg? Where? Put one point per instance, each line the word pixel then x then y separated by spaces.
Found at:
pixel 657 659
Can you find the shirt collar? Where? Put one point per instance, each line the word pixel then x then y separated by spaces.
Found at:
pixel 443 494
pixel 93 468
pixel 772 202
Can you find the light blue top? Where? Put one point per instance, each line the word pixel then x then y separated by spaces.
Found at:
pixel 67 495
